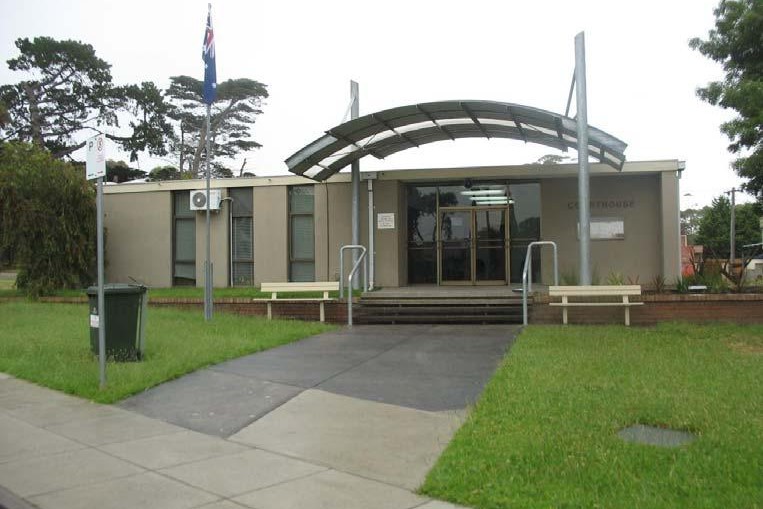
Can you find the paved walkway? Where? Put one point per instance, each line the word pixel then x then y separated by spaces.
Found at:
pixel 340 420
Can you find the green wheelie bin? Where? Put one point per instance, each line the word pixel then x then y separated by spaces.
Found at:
pixel 125 320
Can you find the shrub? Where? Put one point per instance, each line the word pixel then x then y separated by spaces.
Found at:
pixel 615 279
pixel 47 219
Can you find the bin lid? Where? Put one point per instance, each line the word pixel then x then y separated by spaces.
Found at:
pixel 117 288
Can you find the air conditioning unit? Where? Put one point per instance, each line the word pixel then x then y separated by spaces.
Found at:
pixel 199 199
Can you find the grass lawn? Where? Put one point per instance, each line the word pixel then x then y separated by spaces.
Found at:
pixel 544 432
pixel 49 344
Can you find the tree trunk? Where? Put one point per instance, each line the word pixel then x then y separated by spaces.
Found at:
pixel 199 150
pixel 182 149
pixel 30 90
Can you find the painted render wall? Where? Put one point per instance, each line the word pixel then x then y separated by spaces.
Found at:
pixel 336 232
pixel 139 238
pixel 139 223
pixel 634 198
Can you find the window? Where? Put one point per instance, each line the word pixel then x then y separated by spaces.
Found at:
pixel 242 237
pixel 183 240
pixel 301 233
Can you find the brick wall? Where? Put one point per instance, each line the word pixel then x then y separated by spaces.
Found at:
pixel 737 308
pixel 336 312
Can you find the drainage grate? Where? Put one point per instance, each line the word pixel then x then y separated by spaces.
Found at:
pixel 652 435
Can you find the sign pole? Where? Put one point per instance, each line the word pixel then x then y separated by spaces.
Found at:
pixel 101 297
pixel 95 168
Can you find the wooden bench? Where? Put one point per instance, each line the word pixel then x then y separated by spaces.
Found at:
pixel 623 291
pixel 317 286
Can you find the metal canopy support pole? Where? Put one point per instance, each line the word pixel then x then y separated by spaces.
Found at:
pixel 208 261
pixel 584 211
pixel 355 113
pixel 101 278
pixel 371 234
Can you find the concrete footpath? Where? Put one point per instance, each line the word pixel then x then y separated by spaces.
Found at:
pixel 337 435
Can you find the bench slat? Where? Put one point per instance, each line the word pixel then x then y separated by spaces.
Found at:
pixel 318 286
pixel 623 291
pixel 593 291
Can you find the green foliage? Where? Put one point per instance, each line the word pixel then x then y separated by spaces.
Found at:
pixel 161 173
pixel 715 227
pixel 549 159
pixel 233 115
pixel 615 279
pixel 682 285
pixel 47 219
pixel 5 117
pixel 690 220
pixel 569 277
pixel 713 279
pixel 736 43
pixel 150 125
pixel 119 171
pixel 66 85
pixel 67 91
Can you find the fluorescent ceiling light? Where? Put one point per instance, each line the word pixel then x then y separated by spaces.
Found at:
pixel 484 192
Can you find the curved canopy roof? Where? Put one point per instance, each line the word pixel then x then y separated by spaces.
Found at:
pixel 386 132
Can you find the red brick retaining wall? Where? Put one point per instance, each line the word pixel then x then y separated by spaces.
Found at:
pixel 737 308
pixel 296 309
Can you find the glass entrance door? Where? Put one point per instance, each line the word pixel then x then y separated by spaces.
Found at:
pixel 456 246
pixel 490 246
pixel 473 246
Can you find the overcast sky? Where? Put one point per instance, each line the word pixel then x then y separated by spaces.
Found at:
pixel 641 73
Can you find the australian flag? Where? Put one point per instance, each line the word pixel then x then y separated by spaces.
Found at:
pixel 210 69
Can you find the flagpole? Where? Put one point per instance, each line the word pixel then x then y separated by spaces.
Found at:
pixel 208 262
pixel 210 81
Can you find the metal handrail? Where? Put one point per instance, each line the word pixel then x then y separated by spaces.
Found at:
pixel 341 268
pixel 528 271
pixel 361 259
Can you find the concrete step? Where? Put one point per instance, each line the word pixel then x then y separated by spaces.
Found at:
pixel 440 301
pixel 435 319
pixel 436 310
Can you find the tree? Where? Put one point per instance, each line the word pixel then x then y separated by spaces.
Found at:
pixel 736 43
pixel 715 227
pixel 5 117
pixel 164 173
pixel 552 159
pixel 690 221
pixel 151 128
pixel 233 115
pixel 68 92
pixel 47 219
pixel 119 171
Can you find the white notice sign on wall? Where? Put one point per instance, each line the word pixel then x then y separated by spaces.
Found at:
pixel 385 221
